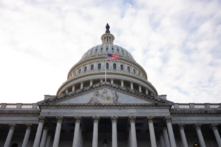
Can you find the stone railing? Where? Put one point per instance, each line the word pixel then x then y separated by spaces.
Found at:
pixel 196 106
pixel 18 106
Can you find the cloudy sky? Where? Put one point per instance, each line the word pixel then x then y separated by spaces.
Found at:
pixel 177 42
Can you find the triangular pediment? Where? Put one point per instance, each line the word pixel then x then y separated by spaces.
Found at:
pixel 104 94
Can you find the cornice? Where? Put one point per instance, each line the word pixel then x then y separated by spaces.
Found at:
pixel 20 112
pixel 102 73
pixel 104 106
pixel 195 112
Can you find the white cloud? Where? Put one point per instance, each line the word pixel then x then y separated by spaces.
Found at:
pixel 176 41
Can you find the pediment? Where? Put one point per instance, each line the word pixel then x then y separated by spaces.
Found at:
pixel 104 94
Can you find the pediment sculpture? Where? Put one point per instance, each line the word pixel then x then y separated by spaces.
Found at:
pixel 104 97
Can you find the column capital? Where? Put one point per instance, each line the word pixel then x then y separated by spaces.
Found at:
pixel 114 119
pixel 181 126
pixel 59 119
pixel 214 126
pixel 150 118
pixel 41 119
pixel 197 126
pixel 168 118
pixel 77 119
pixel 29 126
pixel 96 118
pixel 12 125
pixel 132 119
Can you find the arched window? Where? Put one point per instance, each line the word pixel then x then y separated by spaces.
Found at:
pixel 96 50
pixel 99 66
pixel 102 49
pixel 79 71
pixel 122 51
pixel 107 49
pixel 114 66
pixel 92 67
pixel 85 68
pixel 112 49
pixel 118 50
pixel 121 67
pixel 91 51
pixel 107 66
pixel 134 71
pixel 128 69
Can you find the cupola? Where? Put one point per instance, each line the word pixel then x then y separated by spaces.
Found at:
pixel 107 38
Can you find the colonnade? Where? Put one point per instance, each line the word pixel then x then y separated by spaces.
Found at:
pixel 131 86
pixel 167 139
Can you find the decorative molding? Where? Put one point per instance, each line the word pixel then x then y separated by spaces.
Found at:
pixel 19 112
pixel 132 119
pixel 96 119
pixel 114 119
pixel 150 119
pixel 59 119
pixel 77 119
pixel 197 126
pixel 195 112
pixel 41 119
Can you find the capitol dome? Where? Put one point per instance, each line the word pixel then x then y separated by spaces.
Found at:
pixel 124 72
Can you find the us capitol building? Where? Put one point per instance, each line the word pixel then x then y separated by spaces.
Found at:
pixel 124 111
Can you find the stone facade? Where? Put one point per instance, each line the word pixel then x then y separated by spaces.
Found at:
pixel 125 110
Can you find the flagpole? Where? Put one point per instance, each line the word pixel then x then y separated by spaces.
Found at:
pixel 105 69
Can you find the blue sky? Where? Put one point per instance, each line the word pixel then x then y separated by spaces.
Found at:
pixel 176 41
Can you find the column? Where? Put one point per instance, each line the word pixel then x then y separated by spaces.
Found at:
pixel 27 134
pixel 216 133
pixel 182 134
pixel 122 83
pixel 131 86
pixel 91 82
pixel 152 133
pixel 66 91
pixel 133 131
pixel 80 137
pixel 112 81
pixel 73 88
pixel 146 91
pixel 10 134
pixel 162 140
pixel 114 131
pixel 76 131
pixel 48 142
pixel 39 130
pixel 165 135
pixel 170 131
pixel 44 136
pixel 82 85
pixel 140 90
pixel 95 132
pixel 199 134
pixel 57 132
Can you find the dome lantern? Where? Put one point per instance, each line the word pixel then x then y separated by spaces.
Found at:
pixel 107 38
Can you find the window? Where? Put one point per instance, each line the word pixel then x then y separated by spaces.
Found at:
pixel 79 71
pixel 114 66
pixel 122 51
pixel 134 71
pixel 91 51
pixel 96 50
pixel 138 73
pixel 106 49
pixel 85 69
pixel 99 66
pixel 121 67
pixel 92 67
pixel 107 66
pixel 118 50
pixel 128 69
pixel 112 49
pixel 102 49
